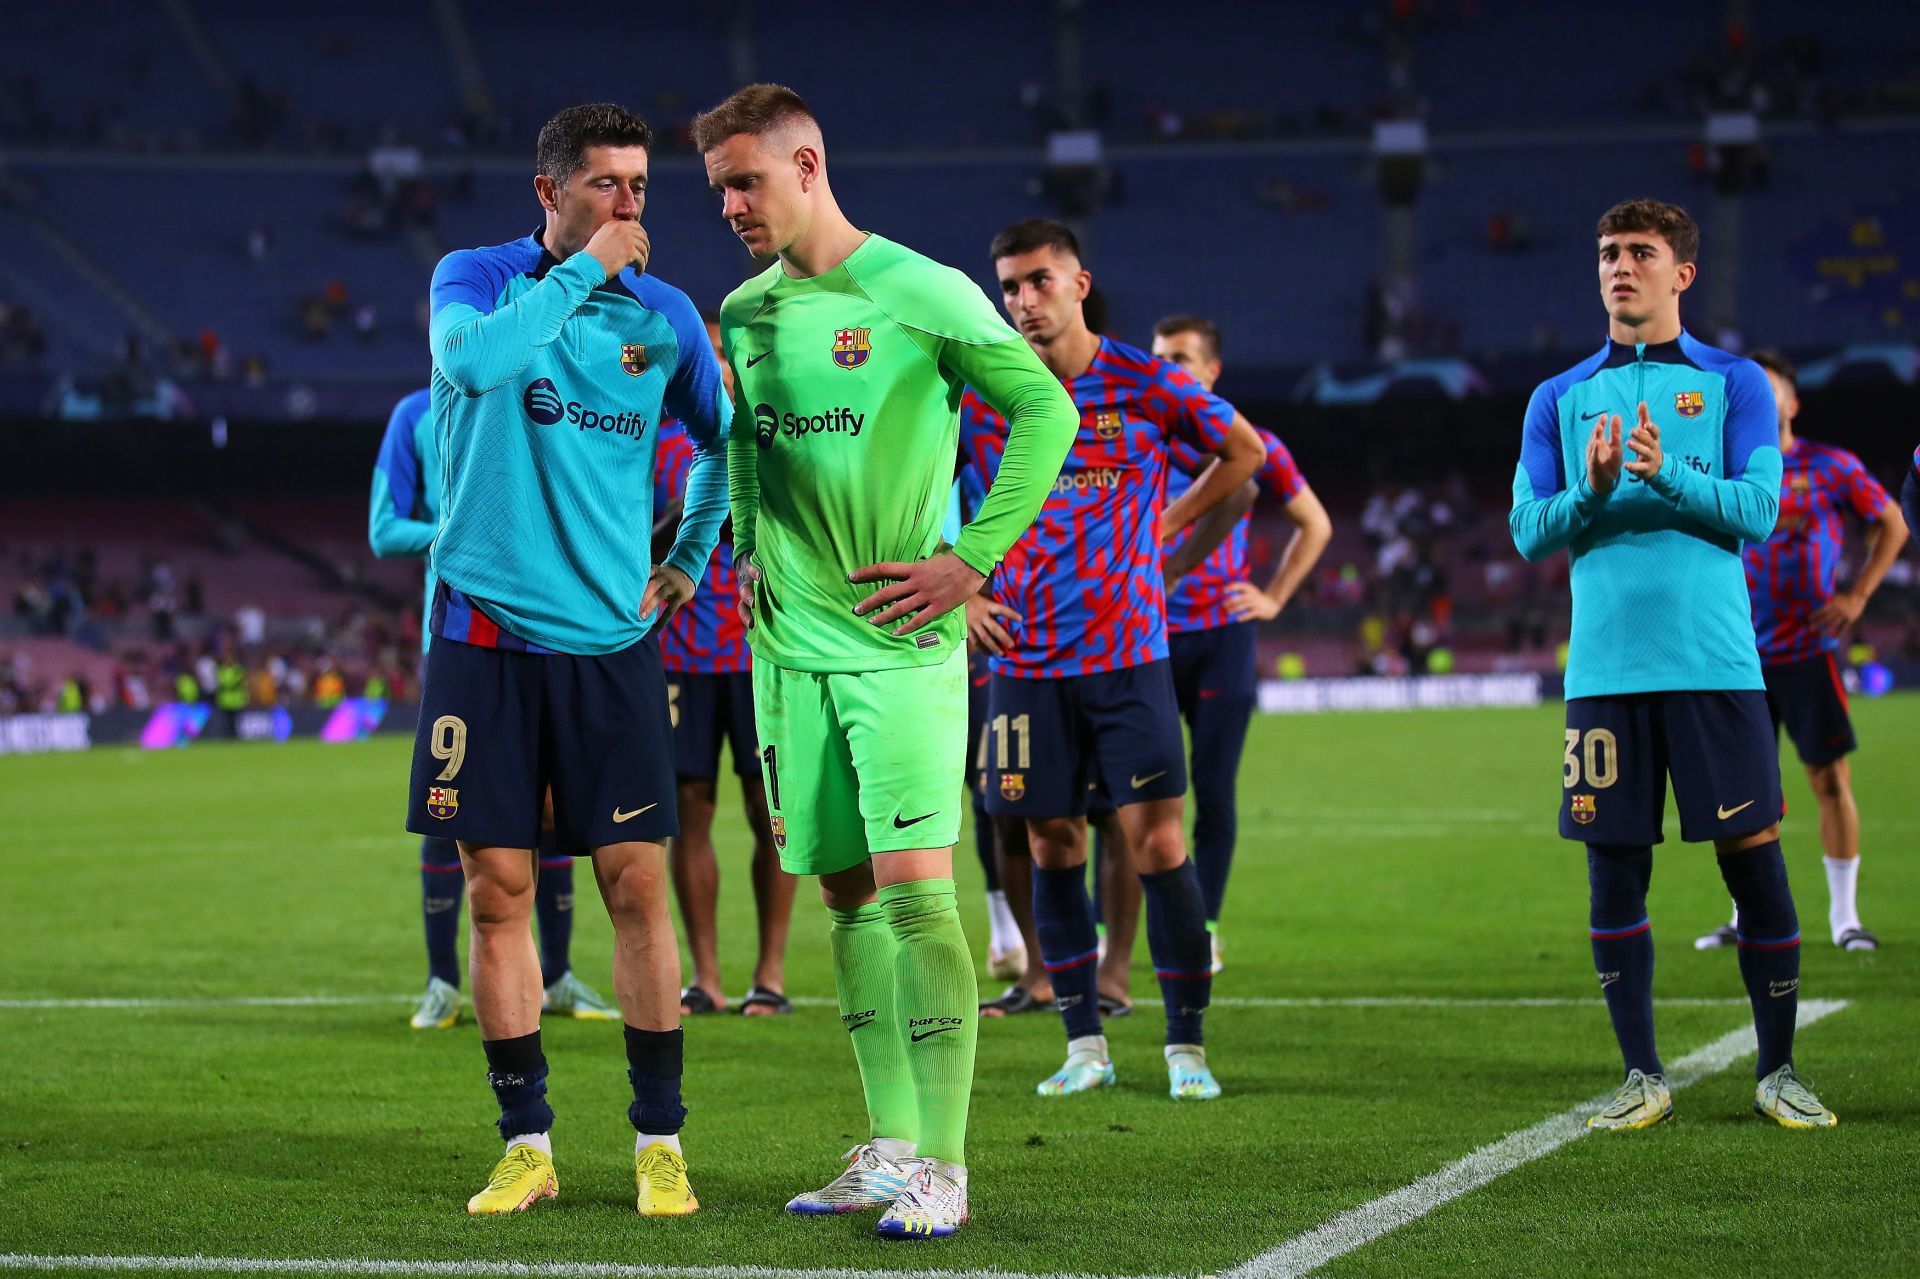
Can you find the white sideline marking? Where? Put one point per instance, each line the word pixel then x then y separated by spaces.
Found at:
pixel 527 1270
pixel 1339 1236
pixel 815 1001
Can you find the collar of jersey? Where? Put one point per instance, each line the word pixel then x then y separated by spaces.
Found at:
pixel 1674 352
pixel 547 262
pixel 833 280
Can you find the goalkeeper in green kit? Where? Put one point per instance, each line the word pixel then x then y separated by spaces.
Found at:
pixel 851 354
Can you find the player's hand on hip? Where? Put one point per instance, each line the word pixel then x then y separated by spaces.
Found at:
pixel 920 592
pixel 1645 443
pixel 1248 603
pixel 746 575
pixel 667 589
pixel 984 631
pixel 1838 615
pixel 620 243
pixel 1604 454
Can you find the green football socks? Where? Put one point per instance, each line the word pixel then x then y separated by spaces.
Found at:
pixel 863 973
pixel 937 1011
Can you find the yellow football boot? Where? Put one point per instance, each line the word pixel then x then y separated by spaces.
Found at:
pixel 523 1177
pixel 660 1174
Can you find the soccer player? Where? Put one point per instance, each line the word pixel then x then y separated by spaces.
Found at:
pixel 553 357
pixel 1910 492
pixel 710 693
pixel 1801 620
pixel 403 514
pixel 1085 695
pixel 1213 613
pixel 1662 675
pixel 1007 951
pixel 851 353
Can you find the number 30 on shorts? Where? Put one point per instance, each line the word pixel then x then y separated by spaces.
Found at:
pixel 1598 751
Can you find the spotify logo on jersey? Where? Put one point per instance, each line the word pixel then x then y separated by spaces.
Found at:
pixel 543 403
pixel 769 422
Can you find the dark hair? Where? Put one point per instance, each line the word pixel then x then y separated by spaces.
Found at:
pixel 756 109
pixel 1774 362
pixel 1031 234
pixel 1670 221
pixel 1209 331
pixel 564 140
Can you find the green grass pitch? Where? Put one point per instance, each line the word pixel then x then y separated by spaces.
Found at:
pixel 1387 855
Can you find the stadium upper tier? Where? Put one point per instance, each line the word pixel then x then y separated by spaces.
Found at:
pixel 267 226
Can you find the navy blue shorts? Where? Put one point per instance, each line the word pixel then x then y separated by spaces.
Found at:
pixel 498 728
pixel 978 676
pixel 1216 664
pixel 705 709
pixel 1809 701
pixel 1051 741
pixel 1618 752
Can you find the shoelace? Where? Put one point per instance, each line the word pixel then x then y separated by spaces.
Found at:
pixel 522 1159
pixel 662 1169
pixel 1798 1095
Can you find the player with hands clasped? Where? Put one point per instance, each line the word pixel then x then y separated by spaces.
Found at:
pixel 1662 674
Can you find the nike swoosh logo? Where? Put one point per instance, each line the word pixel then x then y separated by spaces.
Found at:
pixel 912 821
pixel 1584 417
pixel 929 1034
pixel 853 1026
pixel 755 359
pixel 1138 782
pixel 1782 994
pixel 619 816
pixel 1725 812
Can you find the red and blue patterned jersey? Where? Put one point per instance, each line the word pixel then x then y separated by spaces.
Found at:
pixel 705 637
pixel 1198 601
pixel 1085 579
pixel 1791 574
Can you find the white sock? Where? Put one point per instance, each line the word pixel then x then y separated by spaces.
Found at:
pixel 894 1148
pixel 1095 1044
pixel 1195 1049
pixel 641 1140
pixel 1004 932
pixel 540 1141
pixel 1842 877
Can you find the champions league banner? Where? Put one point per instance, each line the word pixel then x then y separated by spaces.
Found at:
pixel 175 725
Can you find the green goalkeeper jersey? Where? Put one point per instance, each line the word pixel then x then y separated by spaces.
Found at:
pixel 854 379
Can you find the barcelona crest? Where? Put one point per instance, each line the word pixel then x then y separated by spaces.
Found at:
pixel 443 801
pixel 1583 809
pixel 1689 403
pixel 779 825
pixel 1107 424
pixel 1013 786
pixel 1800 484
pixel 633 358
pixel 851 347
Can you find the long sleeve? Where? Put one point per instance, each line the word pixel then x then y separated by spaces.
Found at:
pixel 1746 503
pixel 1041 425
pixel 697 395
pixel 1547 515
pixel 743 469
pixel 478 346
pixel 392 526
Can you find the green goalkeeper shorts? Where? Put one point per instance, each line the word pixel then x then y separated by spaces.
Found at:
pixel 862 763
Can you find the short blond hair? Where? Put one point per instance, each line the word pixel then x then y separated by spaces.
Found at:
pixel 756 109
